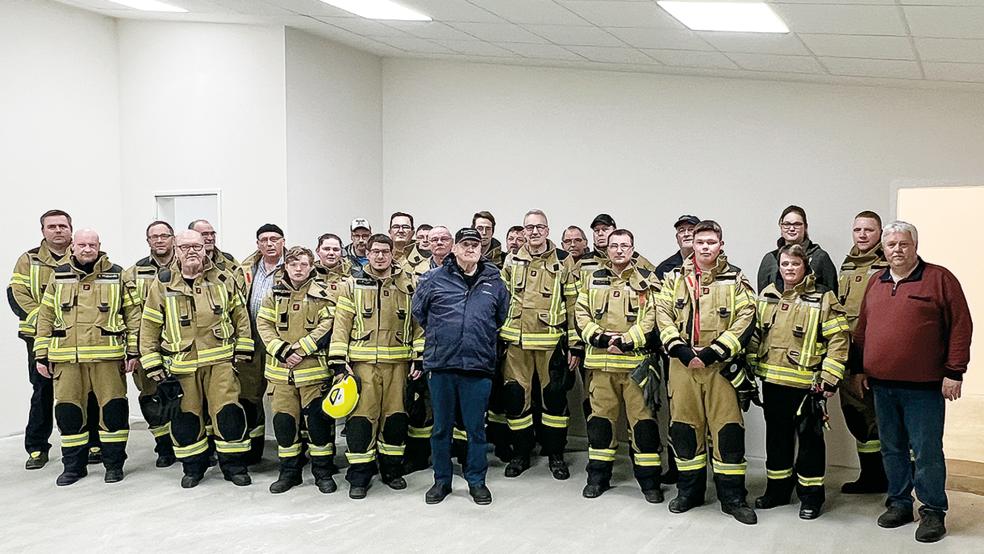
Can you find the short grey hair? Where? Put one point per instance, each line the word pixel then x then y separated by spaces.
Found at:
pixel 535 212
pixel 900 226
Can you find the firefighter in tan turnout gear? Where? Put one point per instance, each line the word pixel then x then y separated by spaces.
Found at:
pixel 294 323
pixel 542 346
pixel 375 332
pixel 136 280
pixel 83 324
pixel 615 313
pixel 799 350
pixel 866 259
pixel 706 314
pixel 194 325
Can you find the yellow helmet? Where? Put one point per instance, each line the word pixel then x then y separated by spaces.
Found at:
pixel 342 397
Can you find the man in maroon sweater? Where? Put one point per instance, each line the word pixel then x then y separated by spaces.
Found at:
pixel 913 334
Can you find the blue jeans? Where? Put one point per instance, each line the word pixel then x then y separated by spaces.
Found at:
pixel 912 419
pixel 448 391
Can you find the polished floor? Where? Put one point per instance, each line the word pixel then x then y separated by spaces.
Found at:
pixel 149 512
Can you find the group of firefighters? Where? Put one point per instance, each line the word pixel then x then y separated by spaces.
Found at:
pixel 205 337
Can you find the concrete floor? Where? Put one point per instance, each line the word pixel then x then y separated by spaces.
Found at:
pixel 149 512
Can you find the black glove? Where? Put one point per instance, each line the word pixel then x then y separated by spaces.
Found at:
pixel 600 340
pixel 683 353
pixel 648 376
pixel 748 394
pixel 561 376
pixel 813 414
pixel 169 394
pixel 709 356
pixel 336 367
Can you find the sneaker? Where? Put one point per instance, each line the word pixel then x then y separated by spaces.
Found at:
pixel 895 516
pixel 931 527
pixel 36 460
pixel 481 495
pixel 437 493
pixel 517 465
pixel 654 496
pixel 741 512
pixel 558 467
pixel 191 481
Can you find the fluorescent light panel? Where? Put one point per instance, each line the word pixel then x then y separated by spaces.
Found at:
pixel 149 6
pixel 378 9
pixel 748 17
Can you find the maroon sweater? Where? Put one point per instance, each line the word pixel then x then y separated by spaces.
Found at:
pixel 915 331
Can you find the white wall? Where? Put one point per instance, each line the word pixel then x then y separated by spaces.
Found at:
pixel 60 148
pixel 334 137
pixel 646 148
pixel 202 107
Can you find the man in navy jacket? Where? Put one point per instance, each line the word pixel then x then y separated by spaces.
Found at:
pixel 461 306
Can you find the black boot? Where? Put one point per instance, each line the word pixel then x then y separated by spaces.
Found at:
pixel 872 479
pixel 71 476
pixel 778 492
pixel 517 466
pixel 931 527
pixel 558 467
pixel 740 511
pixel 287 480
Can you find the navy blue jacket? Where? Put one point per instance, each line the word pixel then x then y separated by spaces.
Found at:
pixel 461 325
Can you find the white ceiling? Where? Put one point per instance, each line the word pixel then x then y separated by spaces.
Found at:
pixel 919 43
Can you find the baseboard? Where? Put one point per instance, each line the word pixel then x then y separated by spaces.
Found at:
pixel 965 476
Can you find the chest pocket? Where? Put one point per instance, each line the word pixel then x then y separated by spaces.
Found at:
pixel 717 308
pixel 518 277
pixel 283 307
pixel 108 303
pixel 178 321
pixel 798 334
pixel 66 300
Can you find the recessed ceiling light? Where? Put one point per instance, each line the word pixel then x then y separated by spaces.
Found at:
pixel 748 17
pixel 149 6
pixel 378 9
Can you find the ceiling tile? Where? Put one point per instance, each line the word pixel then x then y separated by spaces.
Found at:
pixel 250 7
pixel 945 22
pixel 860 46
pixel 971 72
pixel 775 62
pixel 950 50
pixel 453 10
pixel 842 20
pixel 623 14
pixel 475 48
pixel 498 32
pixel 311 7
pixel 540 12
pixel 362 26
pixel 841 2
pixel 575 35
pixel 612 55
pixel 660 38
pixel 690 58
pixel 941 2
pixel 430 29
pixel 897 69
pixel 540 51
pixel 414 44
pixel 755 43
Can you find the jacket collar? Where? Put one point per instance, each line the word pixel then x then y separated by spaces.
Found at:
pixel 916 275
pixel 527 256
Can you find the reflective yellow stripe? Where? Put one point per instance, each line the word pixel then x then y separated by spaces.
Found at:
pixel 810 481
pixel 833 367
pixel 779 473
pixel 232 447
pixel 190 450
pixel 390 449
pixel 497 418
pixel 70 441
pixel 869 447
pixel 458 434
pixel 796 377
pixel 601 454
pixel 695 464
pixel 327 450
pixel 161 431
pixel 114 436
pixel 729 339
pixel 521 423
pixel 244 344
pixel 729 469
pixel 590 330
pixel 307 345
pixel 647 459
pixel 257 432
pixel 509 334
pixel 289 451
pixel 420 432
pixel 668 334
pixel 151 360
pixel 557 422
pixel 268 314
pixel 360 458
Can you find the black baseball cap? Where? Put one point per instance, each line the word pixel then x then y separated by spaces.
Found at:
pixel 602 219
pixel 467 233
pixel 691 219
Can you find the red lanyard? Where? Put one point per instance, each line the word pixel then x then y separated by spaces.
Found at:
pixel 694 283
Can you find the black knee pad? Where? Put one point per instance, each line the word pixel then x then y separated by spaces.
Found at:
pixel 358 432
pixel 645 435
pixel 320 426
pixel 185 428
pixel 599 432
pixel 116 414
pixel 250 409
pixel 231 422
pixel 555 400
pixel 731 443
pixel 285 429
pixel 513 399
pixel 395 429
pixel 684 440
pixel 69 418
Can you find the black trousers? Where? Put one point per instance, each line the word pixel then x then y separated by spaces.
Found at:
pixel 783 430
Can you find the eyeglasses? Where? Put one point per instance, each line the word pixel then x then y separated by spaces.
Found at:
pixel 270 240
pixel 440 239
pixel 154 238
pixel 401 227
pixel 531 228
pixel 375 252
pixel 793 225
pixel 360 236
pixel 191 247
pixel 620 246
